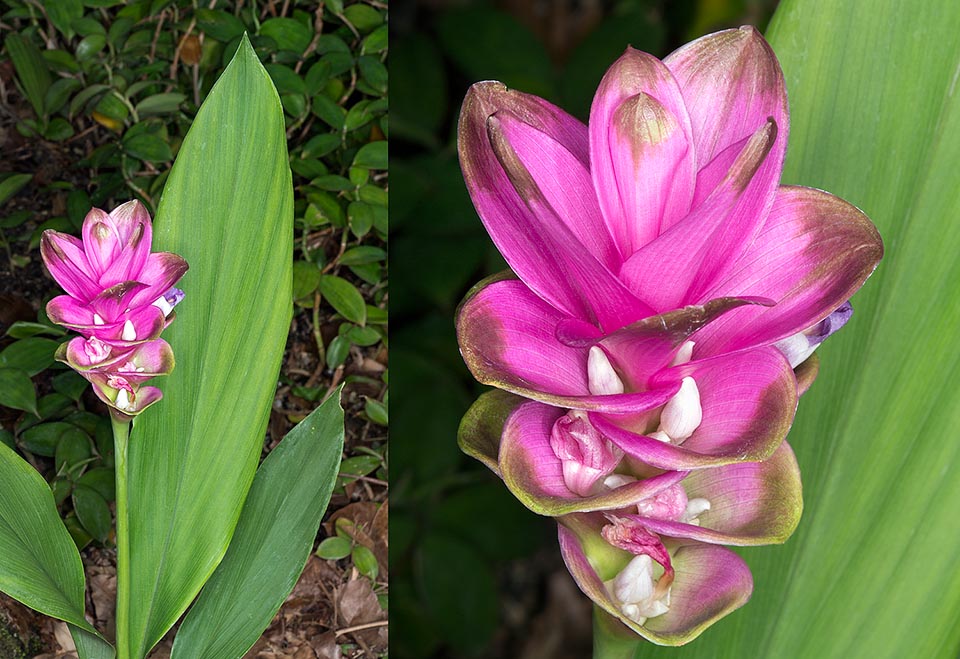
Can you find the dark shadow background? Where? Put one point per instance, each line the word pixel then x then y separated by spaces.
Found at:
pixel 473 573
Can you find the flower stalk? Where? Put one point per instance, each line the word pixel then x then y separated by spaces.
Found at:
pixel 121 436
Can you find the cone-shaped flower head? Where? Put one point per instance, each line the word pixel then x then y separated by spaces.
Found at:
pixel 664 287
pixel 120 297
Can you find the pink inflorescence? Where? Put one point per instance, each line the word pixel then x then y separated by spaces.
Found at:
pixel 120 297
pixel 657 328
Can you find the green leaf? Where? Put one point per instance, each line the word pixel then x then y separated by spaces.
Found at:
pixel 335 548
pixel 872 570
pixel 227 204
pixel 92 511
pixel 273 540
pixel 102 481
pixel 365 562
pixel 372 156
pixel 16 390
pixel 363 254
pixel 91 646
pixel 306 277
pixel 11 185
pixel 220 25
pixel 149 147
pixel 31 355
pixel 344 297
pixel 90 46
pixel 39 564
pixel 31 70
pixel 63 13
pixel 73 448
pixel 288 33
pixel 160 104
pixel 42 439
pixel 363 17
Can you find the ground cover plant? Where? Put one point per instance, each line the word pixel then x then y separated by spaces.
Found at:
pixel 97 100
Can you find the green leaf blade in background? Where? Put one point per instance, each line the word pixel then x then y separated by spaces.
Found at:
pixel 39 564
pixel 273 540
pixel 873 571
pixel 227 208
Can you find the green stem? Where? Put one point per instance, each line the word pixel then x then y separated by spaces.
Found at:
pixel 611 640
pixel 121 435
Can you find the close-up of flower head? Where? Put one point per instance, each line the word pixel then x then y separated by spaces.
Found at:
pixel 657 326
pixel 120 297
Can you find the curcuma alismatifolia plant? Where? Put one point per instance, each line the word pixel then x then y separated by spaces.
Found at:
pixel 650 344
pixel 199 525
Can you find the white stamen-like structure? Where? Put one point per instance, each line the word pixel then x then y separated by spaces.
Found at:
pixel 682 414
pixel 684 354
pixel 164 306
pixel 602 379
pixel 635 589
pixel 129 332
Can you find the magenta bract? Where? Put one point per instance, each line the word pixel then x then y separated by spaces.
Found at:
pixel 664 287
pixel 120 297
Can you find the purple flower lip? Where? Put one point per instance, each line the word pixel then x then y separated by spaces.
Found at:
pixel 120 297
pixel 664 288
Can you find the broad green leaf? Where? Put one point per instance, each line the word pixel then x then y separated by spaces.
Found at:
pixel 220 25
pixel 372 156
pixel 63 13
pixel 273 540
pixel 31 69
pixel 92 511
pixel 160 104
pixel 31 355
pixel 10 185
pixel 873 570
pixel 16 390
pixel 39 564
pixel 149 147
pixel 91 646
pixel 288 33
pixel 227 208
pixel 344 297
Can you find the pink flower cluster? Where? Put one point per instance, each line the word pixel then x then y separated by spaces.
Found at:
pixel 650 344
pixel 120 297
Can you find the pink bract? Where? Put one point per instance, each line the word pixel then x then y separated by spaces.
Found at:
pixel 120 297
pixel 664 287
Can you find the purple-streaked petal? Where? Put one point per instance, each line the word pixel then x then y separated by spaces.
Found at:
pixel 508 334
pixel 564 180
pixel 113 302
pixel 534 474
pixel 814 251
pixel 101 242
pixel 507 339
pixel 709 583
pixel 161 272
pixel 640 150
pixel 537 244
pixel 695 253
pixel 131 219
pixel 640 350
pixel 68 265
pixel 751 503
pixel 748 401
pixel 70 312
pixel 136 233
pixel 731 84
